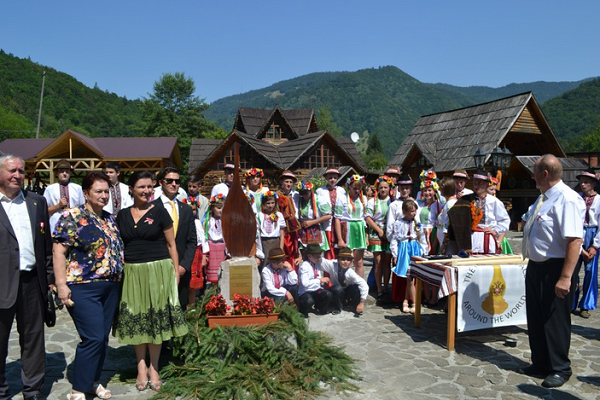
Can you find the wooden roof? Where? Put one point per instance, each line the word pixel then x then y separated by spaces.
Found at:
pixel 571 167
pixel 255 121
pixel 448 140
pixel 71 143
pixel 200 150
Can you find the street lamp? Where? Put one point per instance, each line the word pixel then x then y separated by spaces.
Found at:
pixel 479 158
pixel 501 158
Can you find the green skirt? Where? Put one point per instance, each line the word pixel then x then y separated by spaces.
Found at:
pixel 356 235
pixel 506 248
pixel 149 310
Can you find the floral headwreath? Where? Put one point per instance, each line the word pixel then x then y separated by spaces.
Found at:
pixel 430 184
pixel 218 199
pixel 355 178
pixel 268 193
pixel 494 181
pixel 303 186
pixel 254 172
pixel 250 197
pixel 428 175
pixel 383 178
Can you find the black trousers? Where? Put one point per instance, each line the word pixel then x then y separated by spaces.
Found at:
pixel 548 317
pixel 320 299
pixel 293 289
pixel 28 310
pixel 345 296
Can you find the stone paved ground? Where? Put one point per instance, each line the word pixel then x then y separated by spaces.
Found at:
pixel 395 360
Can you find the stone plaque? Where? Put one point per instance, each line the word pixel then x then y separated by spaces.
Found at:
pixel 239 275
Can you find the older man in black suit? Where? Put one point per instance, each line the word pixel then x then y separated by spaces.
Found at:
pixel 183 225
pixel 25 272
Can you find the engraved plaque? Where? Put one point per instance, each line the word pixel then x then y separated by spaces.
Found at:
pixel 240 279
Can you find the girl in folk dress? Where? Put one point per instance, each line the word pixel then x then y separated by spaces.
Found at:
pixel 376 218
pixel 448 190
pixel 312 213
pixel 270 224
pixel 214 236
pixel 506 248
pixel 254 188
pixel 350 221
pixel 408 239
pixel 200 262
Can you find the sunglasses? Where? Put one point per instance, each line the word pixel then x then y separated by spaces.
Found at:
pixel 168 181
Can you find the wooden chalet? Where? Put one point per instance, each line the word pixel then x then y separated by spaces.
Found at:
pixel 88 154
pixel 274 140
pixel 447 141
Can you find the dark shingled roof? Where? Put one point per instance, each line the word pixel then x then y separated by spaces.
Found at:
pixel 345 170
pixel 299 120
pixel 253 121
pixel 571 167
pixel 449 139
pixel 200 150
pixel 291 151
pixel 349 147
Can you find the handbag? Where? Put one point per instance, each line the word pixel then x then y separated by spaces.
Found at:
pixel 50 309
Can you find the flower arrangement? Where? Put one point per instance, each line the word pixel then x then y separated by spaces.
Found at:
pixel 254 172
pixel 242 305
pixel 218 199
pixel 382 179
pixel 304 186
pixel 355 178
pixel 191 200
pixel 274 217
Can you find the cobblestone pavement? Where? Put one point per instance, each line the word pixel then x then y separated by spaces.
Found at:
pixel 395 359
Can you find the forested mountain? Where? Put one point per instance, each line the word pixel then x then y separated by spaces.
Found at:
pixel 68 104
pixel 575 115
pixel 384 100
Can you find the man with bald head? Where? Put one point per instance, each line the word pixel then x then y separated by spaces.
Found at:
pixel 552 240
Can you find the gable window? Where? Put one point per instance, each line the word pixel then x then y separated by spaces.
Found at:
pixel 274 132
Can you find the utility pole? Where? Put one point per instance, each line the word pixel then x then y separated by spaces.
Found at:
pixel 37 132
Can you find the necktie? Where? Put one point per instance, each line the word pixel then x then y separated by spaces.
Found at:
pixel 529 224
pixel 64 192
pixel 277 278
pixel 174 217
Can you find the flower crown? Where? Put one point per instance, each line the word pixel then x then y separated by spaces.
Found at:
pixel 218 199
pixel 268 193
pixel 191 200
pixel 254 172
pixel 383 178
pixel 428 175
pixel 303 186
pixel 430 184
pixel 355 178
pixel 250 197
pixel 494 181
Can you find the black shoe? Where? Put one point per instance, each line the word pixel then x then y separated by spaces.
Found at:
pixel 336 312
pixel 37 396
pixel 533 371
pixel 554 380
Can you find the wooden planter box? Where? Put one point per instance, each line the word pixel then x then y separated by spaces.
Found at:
pixel 241 320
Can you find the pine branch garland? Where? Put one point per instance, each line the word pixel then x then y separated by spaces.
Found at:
pixel 280 360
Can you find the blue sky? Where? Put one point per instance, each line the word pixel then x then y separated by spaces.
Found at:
pixel 230 47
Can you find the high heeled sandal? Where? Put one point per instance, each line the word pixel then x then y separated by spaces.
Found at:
pixel 76 396
pixel 405 308
pixel 156 386
pixel 141 386
pixel 100 391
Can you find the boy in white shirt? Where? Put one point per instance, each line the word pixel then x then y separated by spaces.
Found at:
pixel 279 279
pixel 312 291
pixel 348 288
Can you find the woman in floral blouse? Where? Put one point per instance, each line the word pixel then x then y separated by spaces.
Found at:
pixel 88 265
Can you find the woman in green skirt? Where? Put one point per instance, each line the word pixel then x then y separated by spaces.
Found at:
pixel 149 311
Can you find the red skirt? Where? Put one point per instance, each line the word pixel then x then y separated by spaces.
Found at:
pixel 215 258
pixel 197 281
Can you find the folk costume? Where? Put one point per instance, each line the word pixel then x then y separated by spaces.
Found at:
pixel 71 191
pixel 428 213
pixel 329 195
pixel 197 280
pixel 285 203
pixel 377 210
pixel 269 227
pixel 276 283
pixel 309 210
pixel 217 252
pixel 351 214
pixel 256 196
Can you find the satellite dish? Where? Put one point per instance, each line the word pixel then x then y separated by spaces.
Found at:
pixel 354 136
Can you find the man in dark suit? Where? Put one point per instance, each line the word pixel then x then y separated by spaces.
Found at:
pixel 183 225
pixel 25 272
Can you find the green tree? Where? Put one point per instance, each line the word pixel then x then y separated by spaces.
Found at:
pixel 591 142
pixel 174 110
pixel 374 145
pixel 326 122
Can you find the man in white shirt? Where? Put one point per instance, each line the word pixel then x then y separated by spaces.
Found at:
pixel 404 185
pixel 552 240
pixel 279 279
pixel 119 192
pixel 26 271
pixel 328 195
pixel 460 177
pixel 63 194
pixel 223 187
